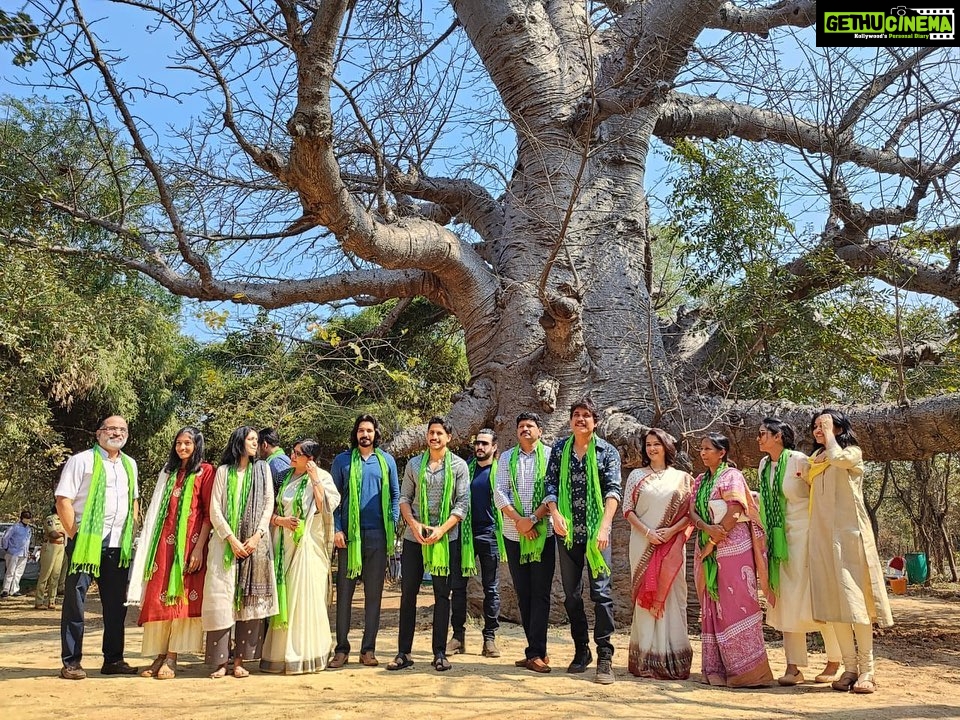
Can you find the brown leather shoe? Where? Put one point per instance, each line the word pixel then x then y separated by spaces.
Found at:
pixel 456 646
pixel 369 659
pixel 520 663
pixel 490 649
pixel 538 665
pixel 72 672
pixel 339 660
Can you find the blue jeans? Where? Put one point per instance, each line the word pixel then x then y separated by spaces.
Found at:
pixel 112 583
pixel 488 559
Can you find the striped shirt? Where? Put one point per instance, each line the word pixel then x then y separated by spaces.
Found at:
pixel 526 465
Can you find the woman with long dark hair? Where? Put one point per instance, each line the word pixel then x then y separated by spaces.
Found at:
pixel 299 639
pixel 847 586
pixel 785 512
pixel 656 503
pixel 729 563
pixel 241 588
pixel 170 566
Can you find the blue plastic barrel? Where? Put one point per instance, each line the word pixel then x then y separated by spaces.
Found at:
pixel 916 567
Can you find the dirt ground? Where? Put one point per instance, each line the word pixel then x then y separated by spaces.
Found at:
pixel 918 669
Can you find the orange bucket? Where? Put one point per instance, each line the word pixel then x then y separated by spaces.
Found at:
pixel 898 585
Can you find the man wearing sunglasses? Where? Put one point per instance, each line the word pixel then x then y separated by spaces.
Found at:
pixel 487 533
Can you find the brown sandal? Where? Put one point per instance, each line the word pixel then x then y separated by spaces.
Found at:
pixel 154 668
pixel 845 682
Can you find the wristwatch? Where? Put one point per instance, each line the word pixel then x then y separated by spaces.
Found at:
pixel 533 518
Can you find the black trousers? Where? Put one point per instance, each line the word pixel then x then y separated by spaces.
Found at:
pixel 112 583
pixel 488 559
pixel 411 564
pixel 374 557
pixel 533 582
pixel 572 564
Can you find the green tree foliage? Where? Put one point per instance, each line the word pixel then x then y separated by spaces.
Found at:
pixel 732 246
pixel 79 337
pixel 401 364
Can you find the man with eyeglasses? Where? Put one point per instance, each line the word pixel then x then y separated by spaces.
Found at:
pixel 486 526
pixel 97 501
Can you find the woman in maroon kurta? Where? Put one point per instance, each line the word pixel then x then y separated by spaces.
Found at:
pixel 169 569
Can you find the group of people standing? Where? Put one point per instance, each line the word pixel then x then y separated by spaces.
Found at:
pixel 804 541
pixel 243 553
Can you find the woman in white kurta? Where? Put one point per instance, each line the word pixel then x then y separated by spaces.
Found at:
pixel 784 508
pixel 240 588
pixel 299 639
pixel 655 503
pixel 847 588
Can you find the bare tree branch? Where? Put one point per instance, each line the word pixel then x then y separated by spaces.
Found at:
pixel 713 118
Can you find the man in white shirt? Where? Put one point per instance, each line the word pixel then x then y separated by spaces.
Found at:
pixel 100 483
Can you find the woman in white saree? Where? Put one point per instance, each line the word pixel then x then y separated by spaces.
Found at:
pixel 299 639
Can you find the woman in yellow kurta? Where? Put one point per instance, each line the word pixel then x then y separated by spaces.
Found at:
pixel 847 588
pixel 784 509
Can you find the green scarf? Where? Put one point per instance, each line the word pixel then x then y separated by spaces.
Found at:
pixel 773 504
pixel 235 511
pixel 275 454
pixel 281 619
pixel 89 540
pixel 709 563
pixel 436 557
pixel 175 590
pixel 469 565
pixel 354 550
pixel 598 566
pixel 531 550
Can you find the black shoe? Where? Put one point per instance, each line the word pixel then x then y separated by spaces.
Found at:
pixel 581 661
pixel 118 668
pixel 440 663
pixel 4 594
pixel 605 671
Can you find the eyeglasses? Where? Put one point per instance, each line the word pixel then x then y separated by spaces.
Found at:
pixel 114 429
pixel 296 453
pixel 762 433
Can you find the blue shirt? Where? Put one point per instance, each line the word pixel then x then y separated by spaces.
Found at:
pixel 16 541
pixel 481 502
pixel 371 479
pixel 278 469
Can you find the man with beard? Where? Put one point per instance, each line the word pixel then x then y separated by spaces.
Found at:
pixel 269 449
pixel 97 501
pixel 485 524
pixel 433 501
pixel 364 523
pixel 584 476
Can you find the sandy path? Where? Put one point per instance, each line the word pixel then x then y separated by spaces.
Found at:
pixel 918 667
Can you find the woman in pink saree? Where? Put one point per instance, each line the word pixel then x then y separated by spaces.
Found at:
pixel 656 504
pixel 729 564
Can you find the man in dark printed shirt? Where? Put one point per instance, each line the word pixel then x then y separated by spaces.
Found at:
pixel 584 476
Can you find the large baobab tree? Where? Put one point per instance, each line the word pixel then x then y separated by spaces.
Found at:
pixel 495 157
